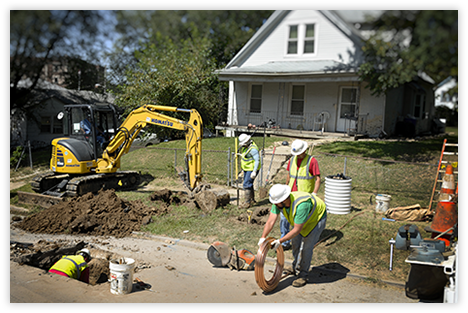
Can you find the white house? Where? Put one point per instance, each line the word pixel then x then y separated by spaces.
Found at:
pixel 441 95
pixel 301 66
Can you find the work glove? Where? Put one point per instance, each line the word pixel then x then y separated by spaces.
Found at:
pixel 253 174
pixel 275 244
pixel 260 241
pixel 314 194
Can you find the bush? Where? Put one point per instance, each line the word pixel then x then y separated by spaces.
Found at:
pixel 16 155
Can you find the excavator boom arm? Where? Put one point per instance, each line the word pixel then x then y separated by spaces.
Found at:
pixel 148 114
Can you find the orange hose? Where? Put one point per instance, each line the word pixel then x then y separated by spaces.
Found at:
pixel 268 285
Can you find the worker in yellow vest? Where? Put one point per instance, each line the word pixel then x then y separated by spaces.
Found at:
pixel 73 266
pixel 308 215
pixel 303 175
pixel 250 164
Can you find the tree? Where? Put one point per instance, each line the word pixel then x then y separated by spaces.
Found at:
pixel 39 36
pixel 170 73
pixel 225 33
pixel 407 43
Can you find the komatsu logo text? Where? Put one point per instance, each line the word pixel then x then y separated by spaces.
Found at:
pixel 156 121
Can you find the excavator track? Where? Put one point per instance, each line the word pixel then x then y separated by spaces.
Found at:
pixel 46 184
pixel 124 180
pixel 46 181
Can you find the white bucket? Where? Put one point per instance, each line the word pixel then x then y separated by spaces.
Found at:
pixel 338 195
pixel 382 203
pixel 121 276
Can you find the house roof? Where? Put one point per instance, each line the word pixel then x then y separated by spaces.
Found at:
pixel 46 90
pixel 278 68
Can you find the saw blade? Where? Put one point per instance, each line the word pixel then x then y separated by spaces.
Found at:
pixel 214 257
pixel 219 254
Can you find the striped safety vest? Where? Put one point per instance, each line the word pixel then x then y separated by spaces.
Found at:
pixel 72 265
pixel 248 162
pixel 304 180
pixel 318 210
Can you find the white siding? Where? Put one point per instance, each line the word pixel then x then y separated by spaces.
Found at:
pixel 332 44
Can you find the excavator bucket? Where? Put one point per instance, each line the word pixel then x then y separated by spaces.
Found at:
pixel 44 201
pixel 183 176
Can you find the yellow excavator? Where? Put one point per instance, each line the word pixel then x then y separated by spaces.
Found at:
pixel 87 159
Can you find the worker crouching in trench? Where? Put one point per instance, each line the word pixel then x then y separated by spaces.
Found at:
pixel 73 266
pixel 308 215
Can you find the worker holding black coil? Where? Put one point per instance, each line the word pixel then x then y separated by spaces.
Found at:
pixel 308 216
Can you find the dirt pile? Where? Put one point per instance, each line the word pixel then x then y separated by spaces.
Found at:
pixel 42 254
pixel 103 214
pixel 203 197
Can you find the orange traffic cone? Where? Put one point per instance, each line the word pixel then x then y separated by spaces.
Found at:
pixel 446 216
pixel 448 182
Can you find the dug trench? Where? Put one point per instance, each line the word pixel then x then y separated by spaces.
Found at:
pixel 105 214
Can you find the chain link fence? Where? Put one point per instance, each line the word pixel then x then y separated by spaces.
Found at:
pixel 408 183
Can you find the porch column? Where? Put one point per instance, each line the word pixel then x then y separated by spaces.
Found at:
pixel 232 110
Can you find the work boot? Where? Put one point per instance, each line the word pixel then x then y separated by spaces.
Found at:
pixel 300 282
pixel 252 196
pixel 247 199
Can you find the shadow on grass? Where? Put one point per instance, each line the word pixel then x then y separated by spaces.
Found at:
pixel 333 234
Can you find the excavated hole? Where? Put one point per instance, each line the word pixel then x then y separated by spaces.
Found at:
pixel 44 253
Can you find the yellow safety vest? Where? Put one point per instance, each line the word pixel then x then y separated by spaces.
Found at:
pixel 304 180
pixel 318 210
pixel 72 265
pixel 248 163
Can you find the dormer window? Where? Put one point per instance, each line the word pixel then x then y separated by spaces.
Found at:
pixel 301 39
pixel 292 41
pixel 309 40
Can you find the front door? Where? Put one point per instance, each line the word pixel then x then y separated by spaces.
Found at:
pixel 347 108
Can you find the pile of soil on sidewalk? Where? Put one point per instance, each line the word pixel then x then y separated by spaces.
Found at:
pixel 103 214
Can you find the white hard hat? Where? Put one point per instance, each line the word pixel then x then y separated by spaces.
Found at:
pixel 298 147
pixel 243 139
pixel 279 193
pixel 84 251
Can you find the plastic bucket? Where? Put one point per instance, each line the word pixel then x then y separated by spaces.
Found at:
pixel 121 276
pixel 338 195
pixel 382 203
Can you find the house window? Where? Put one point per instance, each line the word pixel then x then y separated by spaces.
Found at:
pixel 45 124
pixel 297 100
pixel 301 39
pixel 309 40
pixel 292 39
pixel 348 102
pixel 445 97
pixel 256 99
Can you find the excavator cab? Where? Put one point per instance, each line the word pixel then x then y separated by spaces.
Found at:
pixel 93 124
pixel 88 128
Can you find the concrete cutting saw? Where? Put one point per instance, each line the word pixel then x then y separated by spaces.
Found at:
pixel 220 254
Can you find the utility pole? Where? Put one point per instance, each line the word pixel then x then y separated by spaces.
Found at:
pixel 79 79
